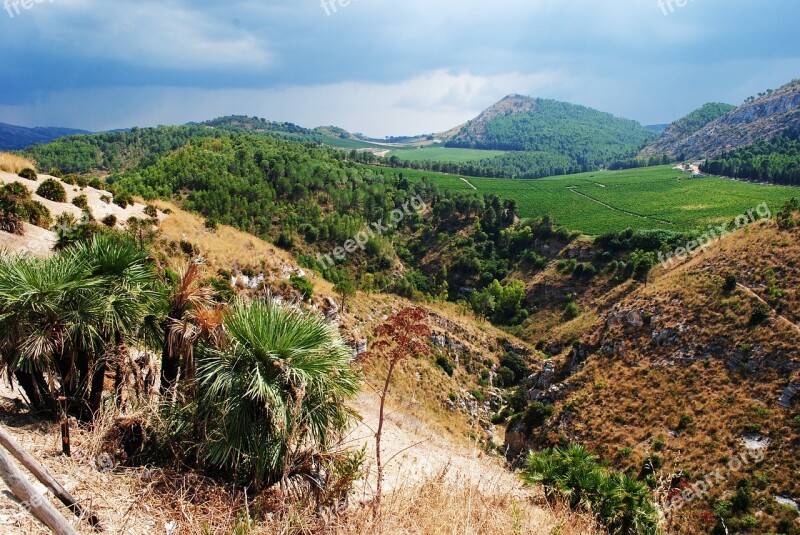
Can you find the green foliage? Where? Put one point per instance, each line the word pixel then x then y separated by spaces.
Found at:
pixel 620 502
pixel 52 190
pixel 760 314
pixel 536 414
pixel 123 200
pixel 730 283
pixel 17 207
pixel 28 174
pixel 571 311
pixel 302 285
pixel 518 366
pixel 273 393
pixel 64 314
pixel 776 161
pixel 81 201
pixel 151 211
pixel 444 363
pixel 586 136
pixel 110 220
pixel 503 304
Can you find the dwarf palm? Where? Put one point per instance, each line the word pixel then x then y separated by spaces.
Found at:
pixel 273 391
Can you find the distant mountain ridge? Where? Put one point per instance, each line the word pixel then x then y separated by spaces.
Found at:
pixel 758 119
pixel 19 137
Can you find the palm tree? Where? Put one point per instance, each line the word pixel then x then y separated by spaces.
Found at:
pixel 190 318
pixel 124 303
pixel 63 317
pixel 272 393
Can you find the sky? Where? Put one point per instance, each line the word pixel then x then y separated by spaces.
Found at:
pixel 382 67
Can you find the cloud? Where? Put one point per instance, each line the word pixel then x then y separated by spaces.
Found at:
pixel 382 66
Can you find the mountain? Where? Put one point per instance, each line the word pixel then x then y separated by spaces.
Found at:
pixel 19 137
pixel 758 119
pixel 519 123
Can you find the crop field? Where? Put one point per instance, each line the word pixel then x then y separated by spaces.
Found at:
pixel 604 201
pixel 442 154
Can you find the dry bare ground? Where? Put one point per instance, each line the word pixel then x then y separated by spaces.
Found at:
pixel 433 487
pixel 38 241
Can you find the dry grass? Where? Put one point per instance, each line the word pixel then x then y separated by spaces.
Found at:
pixel 12 163
pixel 439 506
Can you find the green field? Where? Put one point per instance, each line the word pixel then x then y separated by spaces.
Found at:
pixel 442 154
pixel 651 198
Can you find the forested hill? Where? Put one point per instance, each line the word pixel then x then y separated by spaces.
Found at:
pixel 18 137
pixel 776 161
pixel 585 135
pixel 686 126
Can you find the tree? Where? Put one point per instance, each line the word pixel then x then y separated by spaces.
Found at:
pixel 272 391
pixel 186 322
pixel 402 336
pixel 345 289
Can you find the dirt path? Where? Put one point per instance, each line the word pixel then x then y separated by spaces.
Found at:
pixel 752 293
pixel 467 182
pixel 615 209
pixel 413 453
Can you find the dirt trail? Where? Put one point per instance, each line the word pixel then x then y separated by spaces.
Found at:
pixel 418 453
pixel 752 293
pixel 468 183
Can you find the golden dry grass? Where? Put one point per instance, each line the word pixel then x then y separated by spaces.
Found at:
pixel 438 506
pixel 12 163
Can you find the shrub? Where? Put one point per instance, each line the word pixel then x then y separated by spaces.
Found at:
pixel 150 211
pixel 211 223
pixel 537 414
pixel 52 190
pixel 28 174
pixel 571 311
pixel 123 200
pixel 685 422
pixel 517 365
pixel 730 282
pixel 110 220
pixel 623 504
pixel 504 377
pixel 760 314
pixel 445 364
pixel 55 172
pixel 302 285
pixel 284 241
pixel 81 201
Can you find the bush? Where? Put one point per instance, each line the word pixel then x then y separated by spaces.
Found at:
pixel 150 211
pixel 760 314
pixel 284 241
pixel 537 414
pixel 623 504
pixel 28 174
pixel 571 311
pixel 504 378
pixel 445 364
pixel 123 200
pixel 517 365
pixel 55 172
pixel 302 285
pixel 730 283
pixel 81 201
pixel 110 220
pixel 52 190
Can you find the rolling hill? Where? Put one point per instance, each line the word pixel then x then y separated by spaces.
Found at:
pixel 685 127
pixel 519 123
pixel 19 137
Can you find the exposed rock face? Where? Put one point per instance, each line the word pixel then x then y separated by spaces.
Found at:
pixel 790 396
pixel 761 119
